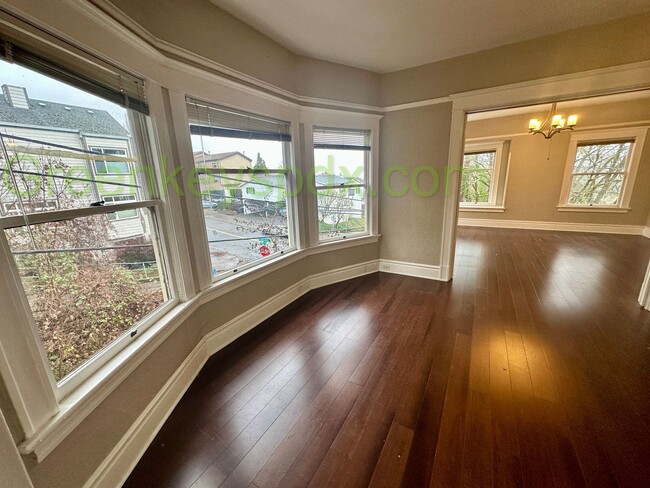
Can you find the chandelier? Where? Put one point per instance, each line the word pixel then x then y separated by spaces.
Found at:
pixel 553 124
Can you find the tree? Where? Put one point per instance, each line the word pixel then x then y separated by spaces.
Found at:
pixel 82 297
pixel 259 162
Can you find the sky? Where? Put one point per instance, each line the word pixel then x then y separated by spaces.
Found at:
pixel 41 87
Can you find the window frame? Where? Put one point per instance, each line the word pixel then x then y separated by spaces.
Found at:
pixel 492 203
pixel 196 200
pixel 141 125
pixel 366 186
pixel 636 134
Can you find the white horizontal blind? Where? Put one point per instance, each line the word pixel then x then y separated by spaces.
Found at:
pixel 325 138
pixel 213 120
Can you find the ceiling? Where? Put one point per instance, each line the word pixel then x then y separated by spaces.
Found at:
pixel 389 35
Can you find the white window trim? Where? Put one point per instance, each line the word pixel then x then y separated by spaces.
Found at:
pixel 631 167
pixel 497 147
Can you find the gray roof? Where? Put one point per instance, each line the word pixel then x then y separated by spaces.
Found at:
pixel 51 114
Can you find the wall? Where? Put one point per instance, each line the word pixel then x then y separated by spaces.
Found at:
pixel 600 46
pixel 411 224
pixel 534 183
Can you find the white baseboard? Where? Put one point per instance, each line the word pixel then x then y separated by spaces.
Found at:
pixel 646 232
pixel 115 469
pixel 411 269
pixel 559 226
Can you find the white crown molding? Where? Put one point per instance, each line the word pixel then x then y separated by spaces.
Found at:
pixel 418 104
pixel 635 230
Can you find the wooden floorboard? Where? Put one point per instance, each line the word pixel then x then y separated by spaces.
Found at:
pixel 530 369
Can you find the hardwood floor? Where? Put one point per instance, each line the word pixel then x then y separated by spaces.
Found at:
pixel 530 369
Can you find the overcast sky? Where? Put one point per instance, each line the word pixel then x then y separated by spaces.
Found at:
pixel 41 87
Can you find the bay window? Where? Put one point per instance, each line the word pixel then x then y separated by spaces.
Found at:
pixel 242 163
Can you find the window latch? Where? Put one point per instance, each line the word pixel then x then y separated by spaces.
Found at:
pixel 98 204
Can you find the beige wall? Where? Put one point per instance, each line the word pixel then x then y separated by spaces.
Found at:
pixel 411 225
pixel 600 46
pixel 534 183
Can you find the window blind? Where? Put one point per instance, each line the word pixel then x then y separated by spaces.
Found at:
pixel 213 120
pixel 325 138
pixel 55 57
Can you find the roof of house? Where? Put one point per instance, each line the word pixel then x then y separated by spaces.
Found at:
pixel 207 157
pixel 49 114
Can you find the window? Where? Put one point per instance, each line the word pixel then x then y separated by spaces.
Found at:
pixel 601 168
pixel 112 166
pixel 482 179
pixel 341 166
pixel 478 172
pixel 90 281
pixel 242 161
pixel 123 214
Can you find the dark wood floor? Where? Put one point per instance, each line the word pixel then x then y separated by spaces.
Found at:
pixel 531 368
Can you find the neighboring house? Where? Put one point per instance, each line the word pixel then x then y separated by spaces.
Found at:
pixel 49 133
pixel 264 193
pixel 225 185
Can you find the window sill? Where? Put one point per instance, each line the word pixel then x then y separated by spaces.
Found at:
pixel 481 208
pixel 569 208
pixel 75 407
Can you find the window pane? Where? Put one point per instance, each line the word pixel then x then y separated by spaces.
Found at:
pixel 341 211
pixel 601 189
pixel 65 147
pixel 601 158
pixel 476 179
pixel 86 283
pixel 245 214
pixel 337 166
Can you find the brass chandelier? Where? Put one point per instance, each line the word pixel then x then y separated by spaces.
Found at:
pixel 553 124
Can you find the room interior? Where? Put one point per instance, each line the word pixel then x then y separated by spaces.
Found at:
pixel 297 288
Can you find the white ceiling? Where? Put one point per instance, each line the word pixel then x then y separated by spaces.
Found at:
pixel 389 35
